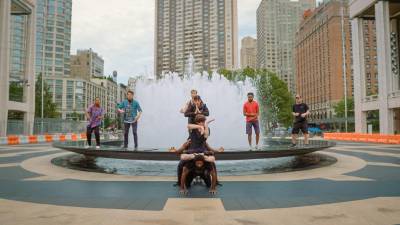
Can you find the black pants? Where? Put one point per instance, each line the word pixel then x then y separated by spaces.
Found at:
pixel 126 133
pixel 89 132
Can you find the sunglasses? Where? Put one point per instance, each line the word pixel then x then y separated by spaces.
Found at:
pixel 298 97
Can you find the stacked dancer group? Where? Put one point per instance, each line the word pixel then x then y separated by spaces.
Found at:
pixel 197 157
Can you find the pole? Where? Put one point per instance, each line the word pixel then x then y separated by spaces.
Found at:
pixel 344 65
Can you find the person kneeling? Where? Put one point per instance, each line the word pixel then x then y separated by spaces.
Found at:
pixel 198 167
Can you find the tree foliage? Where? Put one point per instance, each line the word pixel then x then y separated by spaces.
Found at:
pixel 340 108
pixel 273 96
pixel 49 107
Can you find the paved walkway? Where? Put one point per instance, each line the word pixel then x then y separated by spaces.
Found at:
pixel 363 187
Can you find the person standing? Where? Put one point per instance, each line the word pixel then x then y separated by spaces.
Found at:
pixel 300 113
pixel 94 114
pixel 131 113
pixel 251 111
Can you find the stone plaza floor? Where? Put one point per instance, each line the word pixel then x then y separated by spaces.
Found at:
pixel 362 187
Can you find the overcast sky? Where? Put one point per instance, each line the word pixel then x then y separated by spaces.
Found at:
pixel 122 32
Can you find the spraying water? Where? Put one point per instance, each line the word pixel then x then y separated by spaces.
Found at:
pixel 162 125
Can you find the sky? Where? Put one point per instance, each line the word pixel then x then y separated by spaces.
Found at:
pixel 122 32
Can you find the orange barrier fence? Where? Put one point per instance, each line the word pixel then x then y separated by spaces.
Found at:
pixel 360 137
pixel 33 139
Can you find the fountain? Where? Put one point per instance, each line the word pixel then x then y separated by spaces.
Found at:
pixel 162 125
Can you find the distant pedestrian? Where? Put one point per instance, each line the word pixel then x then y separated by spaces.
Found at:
pixel 251 111
pixel 95 115
pixel 300 113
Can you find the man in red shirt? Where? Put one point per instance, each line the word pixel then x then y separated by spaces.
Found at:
pixel 251 111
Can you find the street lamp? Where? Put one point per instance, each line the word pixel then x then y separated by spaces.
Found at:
pixel 344 64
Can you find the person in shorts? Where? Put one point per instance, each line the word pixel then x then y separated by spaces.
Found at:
pixel 300 113
pixel 251 111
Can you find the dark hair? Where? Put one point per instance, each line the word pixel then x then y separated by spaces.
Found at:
pixel 130 92
pixel 199 118
pixel 197 97
pixel 250 93
pixel 198 158
pixel 193 90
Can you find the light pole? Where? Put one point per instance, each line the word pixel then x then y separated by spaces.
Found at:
pixel 344 65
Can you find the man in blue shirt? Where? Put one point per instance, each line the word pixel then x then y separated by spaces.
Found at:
pixel 132 112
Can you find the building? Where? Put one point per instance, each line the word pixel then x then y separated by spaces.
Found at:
pixel 53 37
pixel 111 98
pixel 122 91
pixel 277 23
pixel 248 53
pixel 17 71
pixel 319 58
pixel 386 101
pixel 87 64
pixel 207 29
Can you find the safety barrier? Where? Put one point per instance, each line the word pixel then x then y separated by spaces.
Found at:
pixel 360 137
pixel 34 139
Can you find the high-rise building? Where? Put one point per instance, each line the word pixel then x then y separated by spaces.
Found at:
pixel 53 37
pixel 207 29
pixel 53 44
pixel 385 99
pixel 277 23
pixel 319 58
pixel 87 64
pixel 248 53
pixel 17 79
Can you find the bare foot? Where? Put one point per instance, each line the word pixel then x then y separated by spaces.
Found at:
pixel 221 149
pixel 172 149
pixel 183 191
pixel 213 191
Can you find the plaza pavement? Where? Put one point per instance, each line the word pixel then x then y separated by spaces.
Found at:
pixel 363 187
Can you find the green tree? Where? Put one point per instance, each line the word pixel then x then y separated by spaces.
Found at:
pixel 274 98
pixel 273 95
pixel 49 108
pixel 340 108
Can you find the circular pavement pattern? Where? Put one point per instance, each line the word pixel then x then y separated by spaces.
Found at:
pixel 370 171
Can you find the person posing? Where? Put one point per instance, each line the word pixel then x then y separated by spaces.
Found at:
pixel 300 113
pixel 251 111
pixel 193 93
pixel 198 108
pixel 132 112
pixel 94 114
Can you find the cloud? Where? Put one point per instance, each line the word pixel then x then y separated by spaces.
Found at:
pixel 122 32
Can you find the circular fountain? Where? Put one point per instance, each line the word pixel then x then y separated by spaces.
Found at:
pixel 162 126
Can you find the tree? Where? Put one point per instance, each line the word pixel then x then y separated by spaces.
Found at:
pixel 49 108
pixel 275 99
pixel 340 108
pixel 273 95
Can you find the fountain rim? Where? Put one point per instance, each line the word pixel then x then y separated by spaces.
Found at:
pixel 153 154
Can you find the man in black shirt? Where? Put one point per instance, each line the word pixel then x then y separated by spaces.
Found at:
pixel 300 112
pixel 197 108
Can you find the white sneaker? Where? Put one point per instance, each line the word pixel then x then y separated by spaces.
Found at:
pixel 97 147
pixel 251 148
pixel 256 147
pixel 87 147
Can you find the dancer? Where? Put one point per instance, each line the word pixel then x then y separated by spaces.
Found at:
pixel 300 112
pixel 198 108
pixel 251 112
pixel 132 113
pixel 193 93
pixel 195 146
pixel 94 114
